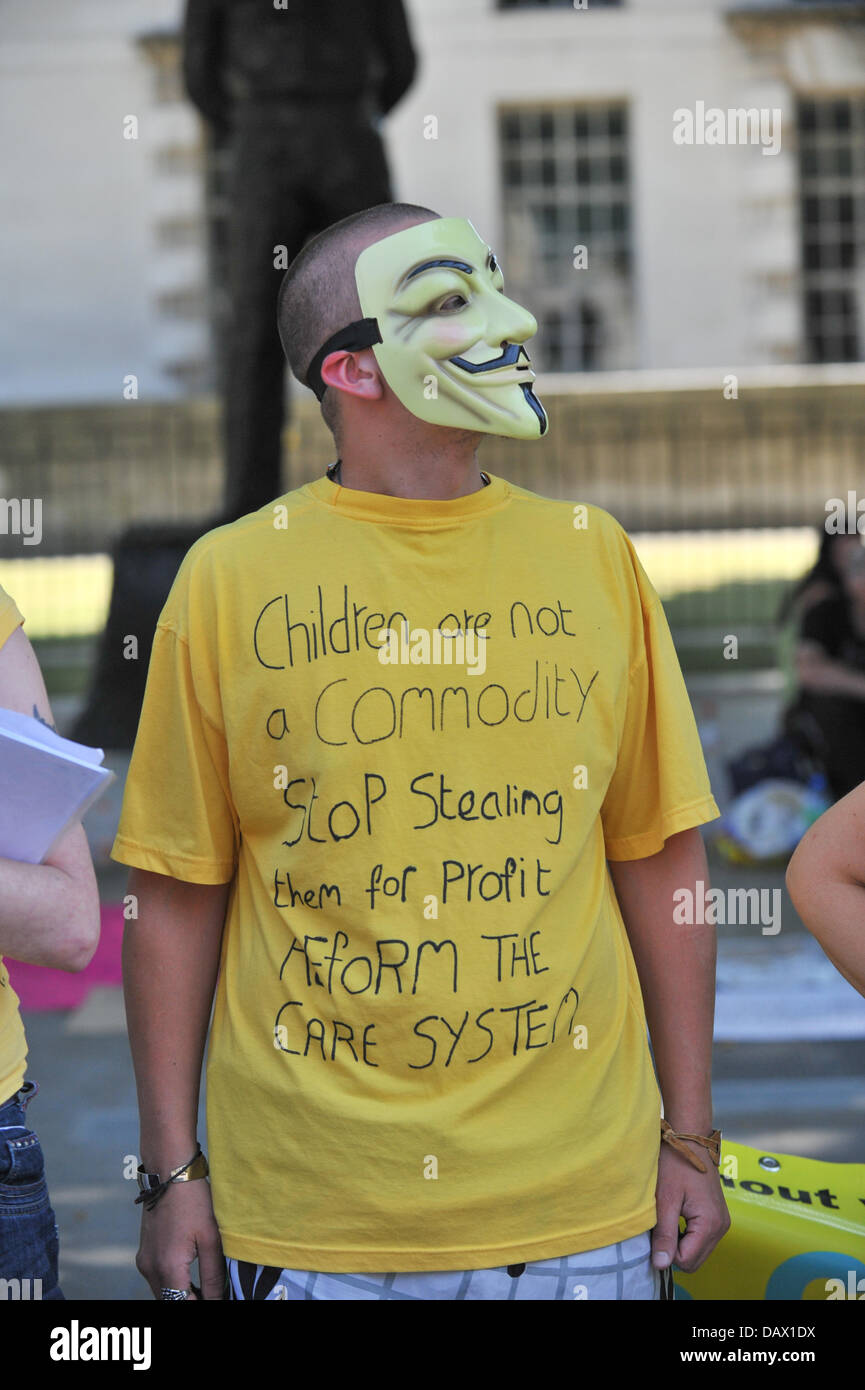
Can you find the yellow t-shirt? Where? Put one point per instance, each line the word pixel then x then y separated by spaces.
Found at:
pixel 429 1048
pixel 13 1044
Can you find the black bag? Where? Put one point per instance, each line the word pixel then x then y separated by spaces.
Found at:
pixel 789 756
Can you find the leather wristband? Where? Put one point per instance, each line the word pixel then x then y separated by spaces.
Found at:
pixel 712 1142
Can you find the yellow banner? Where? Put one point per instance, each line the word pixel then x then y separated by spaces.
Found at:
pixel 798 1231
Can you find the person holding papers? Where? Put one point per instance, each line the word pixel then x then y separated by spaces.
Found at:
pixel 49 915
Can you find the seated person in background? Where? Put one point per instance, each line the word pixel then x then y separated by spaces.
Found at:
pixel 822 581
pixel 825 577
pixel 49 915
pixel 829 660
pixel 826 880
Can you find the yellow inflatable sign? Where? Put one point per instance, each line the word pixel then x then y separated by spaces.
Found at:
pixel 798 1231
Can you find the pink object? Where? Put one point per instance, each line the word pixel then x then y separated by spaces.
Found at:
pixel 40 988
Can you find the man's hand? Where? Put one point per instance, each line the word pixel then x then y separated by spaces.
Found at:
pixel 699 1197
pixel 180 1229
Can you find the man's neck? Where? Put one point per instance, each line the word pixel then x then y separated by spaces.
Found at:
pixel 433 475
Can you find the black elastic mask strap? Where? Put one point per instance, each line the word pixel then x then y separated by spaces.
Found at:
pixel 362 333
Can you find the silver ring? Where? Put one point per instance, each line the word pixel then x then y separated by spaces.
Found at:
pixel 173 1295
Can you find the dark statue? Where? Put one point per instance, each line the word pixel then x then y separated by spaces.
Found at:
pixel 292 91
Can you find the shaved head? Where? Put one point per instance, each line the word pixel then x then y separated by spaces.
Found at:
pixel 318 295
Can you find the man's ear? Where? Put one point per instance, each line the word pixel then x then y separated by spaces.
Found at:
pixel 356 373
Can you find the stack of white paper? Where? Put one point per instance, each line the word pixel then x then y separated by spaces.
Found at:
pixel 46 783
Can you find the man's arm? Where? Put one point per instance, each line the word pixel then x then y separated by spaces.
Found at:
pixel 676 966
pixel 49 912
pixel 826 880
pixel 170 965
pixel 818 672
pixel 204 59
pixel 393 40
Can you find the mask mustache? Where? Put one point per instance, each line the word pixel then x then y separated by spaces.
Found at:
pixel 509 356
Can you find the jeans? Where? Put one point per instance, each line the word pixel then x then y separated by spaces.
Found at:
pixel 28 1230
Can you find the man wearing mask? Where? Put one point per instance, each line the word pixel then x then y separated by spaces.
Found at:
pixel 428 1074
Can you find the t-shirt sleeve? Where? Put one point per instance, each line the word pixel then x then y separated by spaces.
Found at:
pixel 178 817
pixel 660 785
pixel 10 618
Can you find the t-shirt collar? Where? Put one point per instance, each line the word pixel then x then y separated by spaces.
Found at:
pixel 423 513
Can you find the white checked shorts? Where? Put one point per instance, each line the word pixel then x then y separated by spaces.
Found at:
pixel 620 1271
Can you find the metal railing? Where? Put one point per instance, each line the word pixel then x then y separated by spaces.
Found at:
pixel 722 485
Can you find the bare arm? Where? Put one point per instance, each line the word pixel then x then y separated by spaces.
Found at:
pixel 170 965
pixel 676 966
pixel 826 880
pixel 820 673
pixel 49 912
